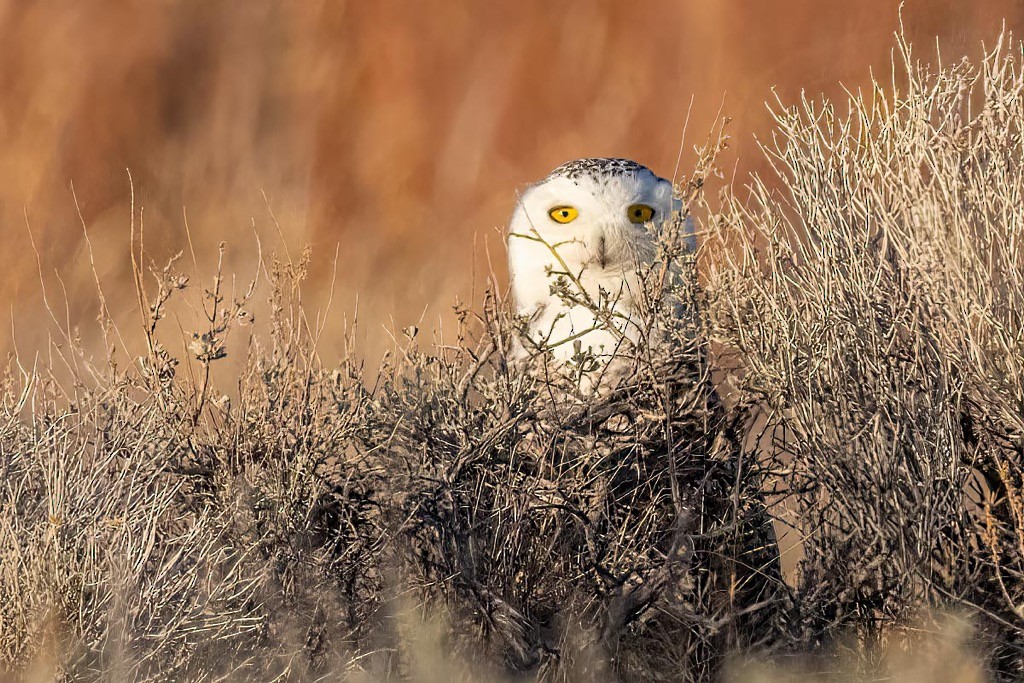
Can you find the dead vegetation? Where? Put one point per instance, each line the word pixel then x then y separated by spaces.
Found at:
pixel 444 516
pixel 874 303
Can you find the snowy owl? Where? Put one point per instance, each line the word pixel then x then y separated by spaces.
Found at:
pixel 578 242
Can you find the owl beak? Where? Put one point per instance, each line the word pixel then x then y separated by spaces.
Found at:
pixel 602 251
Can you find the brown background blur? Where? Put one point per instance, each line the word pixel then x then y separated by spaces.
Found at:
pixel 394 131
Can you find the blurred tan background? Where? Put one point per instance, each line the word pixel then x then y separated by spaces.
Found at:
pixel 394 131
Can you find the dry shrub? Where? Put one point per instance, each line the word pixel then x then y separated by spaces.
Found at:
pixel 153 529
pixel 579 536
pixel 875 305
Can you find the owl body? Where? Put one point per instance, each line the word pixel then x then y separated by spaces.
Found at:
pixel 578 243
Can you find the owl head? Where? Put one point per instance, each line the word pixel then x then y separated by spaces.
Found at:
pixel 597 212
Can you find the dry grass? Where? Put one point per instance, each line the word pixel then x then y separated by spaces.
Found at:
pixel 446 517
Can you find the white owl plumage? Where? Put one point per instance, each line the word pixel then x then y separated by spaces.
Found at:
pixel 589 223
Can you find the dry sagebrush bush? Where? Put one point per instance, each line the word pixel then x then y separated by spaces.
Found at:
pixel 875 305
pixel 150 534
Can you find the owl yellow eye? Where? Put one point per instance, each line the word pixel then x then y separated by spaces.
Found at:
pixel 639 213
pixel 563 214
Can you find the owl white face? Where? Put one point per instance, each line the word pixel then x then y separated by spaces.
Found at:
pixel 595 208
pixel 590 218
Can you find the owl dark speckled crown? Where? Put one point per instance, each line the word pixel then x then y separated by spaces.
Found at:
pixel 598 168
